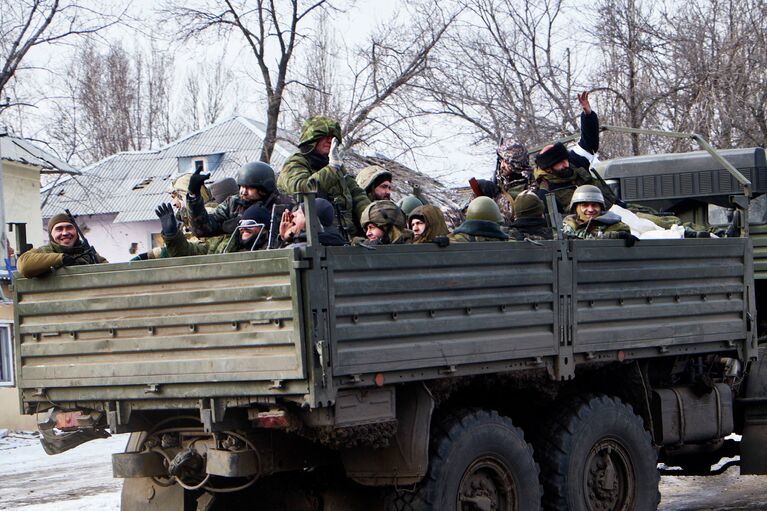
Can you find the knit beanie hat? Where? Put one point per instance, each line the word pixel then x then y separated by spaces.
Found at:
pixel 57 219
pixel 254 214
pixel 223 189
pixel 528 205
pixel 326 213
pixel 553 155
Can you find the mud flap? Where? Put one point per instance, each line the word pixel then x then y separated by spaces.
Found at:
pixel 406 460
pixel 145 495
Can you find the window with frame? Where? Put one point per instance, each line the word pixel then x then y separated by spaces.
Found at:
pixel 6 355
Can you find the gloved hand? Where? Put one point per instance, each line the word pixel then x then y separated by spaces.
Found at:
pixel 336 155
pixel 196 182
pixel 441 241
pixel 143 256
pixel 167 219
pixel 69 260
pixel 617 235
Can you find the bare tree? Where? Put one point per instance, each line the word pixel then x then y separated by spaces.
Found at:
pixel 113 101
pixel 505 69
pixel 271 31
pixel 27 24
pixel 205 95
pixel 720 47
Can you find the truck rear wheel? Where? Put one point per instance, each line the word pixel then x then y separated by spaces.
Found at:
pixel 479 460
pixel 598 457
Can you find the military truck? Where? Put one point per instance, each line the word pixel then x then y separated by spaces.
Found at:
pixel 476 376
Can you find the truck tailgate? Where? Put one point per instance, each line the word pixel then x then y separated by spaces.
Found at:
pixel 170 328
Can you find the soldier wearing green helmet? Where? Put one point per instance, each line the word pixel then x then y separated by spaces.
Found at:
pixel 483 223
pixel 588 218
pixel 319 164
pixel 384 224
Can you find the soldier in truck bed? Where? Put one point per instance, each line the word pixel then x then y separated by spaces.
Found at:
pixel 64 248
pixel 588 218
pixel 251 233
pixel 529 220
pixel 483 223
pixel 384 224
pixel 257 185
pixel 319 164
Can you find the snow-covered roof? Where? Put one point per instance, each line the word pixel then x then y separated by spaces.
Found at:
pixel 133 184
pixel 23 151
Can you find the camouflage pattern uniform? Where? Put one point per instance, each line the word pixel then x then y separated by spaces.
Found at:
pixel 518 178
pixel 387 216
pixel 563 185
pixel 178 246
pixel 306 169
pixel 607 226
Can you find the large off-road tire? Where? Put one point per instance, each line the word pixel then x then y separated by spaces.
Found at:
pixel 479 460
pixel 597 456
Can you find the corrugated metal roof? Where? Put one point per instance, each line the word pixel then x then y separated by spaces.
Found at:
pixel 23 151
pixel 133 184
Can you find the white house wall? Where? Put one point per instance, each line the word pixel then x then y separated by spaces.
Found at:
pixel 21 196
pixel 113 240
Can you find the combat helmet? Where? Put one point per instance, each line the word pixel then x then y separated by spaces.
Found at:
pixel 372 176
pixel 484 208
pixel 408 203
pixel 384 214
pixel 528 205
pixel 586 193
pixel 317 127
pixel 258 175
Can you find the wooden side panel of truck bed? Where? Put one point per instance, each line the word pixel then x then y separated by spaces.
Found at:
pixel 172 328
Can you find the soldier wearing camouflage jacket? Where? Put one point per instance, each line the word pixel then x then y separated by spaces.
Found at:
pixel 313 167
pixel 250 234
pixel 588 218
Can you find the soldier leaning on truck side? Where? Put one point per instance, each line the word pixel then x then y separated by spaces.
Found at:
pixel 483 223
pixel 319 163
pixel 427 222
pixel 251 233
pixel 65 248
pixel 384 224
pixel 588 218
pixel 257 185
pixel 529 220
pixel 293 226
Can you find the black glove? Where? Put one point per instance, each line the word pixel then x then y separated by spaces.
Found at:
pixel 168 219
pixel 196 182
pixel 441 241
pixel 69 260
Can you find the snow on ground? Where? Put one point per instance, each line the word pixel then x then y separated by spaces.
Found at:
pixel 30 480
